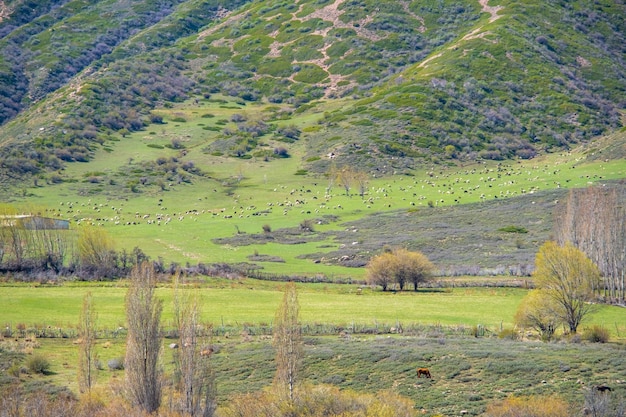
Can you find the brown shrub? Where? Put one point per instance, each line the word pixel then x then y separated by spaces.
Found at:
pixel 533 406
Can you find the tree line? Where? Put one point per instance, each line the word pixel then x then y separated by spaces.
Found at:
pixel 31 246
pixel 584 265
pixel 191 388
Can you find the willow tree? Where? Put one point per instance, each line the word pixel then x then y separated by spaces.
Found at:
pixel 539 313
pixel 288 343
pixel 380 270
pixel 399 266
pixel 567 277
pixel 143 344
pixel 96 250
pixel 413 267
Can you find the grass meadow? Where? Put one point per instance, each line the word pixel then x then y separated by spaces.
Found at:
pixel 184 222
pixel 453 213
pixel 252 303
pixel 350 341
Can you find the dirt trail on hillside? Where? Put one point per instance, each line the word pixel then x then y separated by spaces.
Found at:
pixel 193 256
pixel 492 10
pixel 332 13
pixel 4 11
pixel 477 33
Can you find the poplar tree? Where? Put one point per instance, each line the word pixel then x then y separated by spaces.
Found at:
pixel 87 340
pixel 594 220
pixel 143 344
pixel 288 343
pixel 195 379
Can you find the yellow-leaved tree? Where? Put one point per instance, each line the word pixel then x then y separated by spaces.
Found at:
pixel 567 279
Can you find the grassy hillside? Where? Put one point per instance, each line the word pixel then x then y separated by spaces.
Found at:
pixel 426 81
pixel 210 131
pixel 170 191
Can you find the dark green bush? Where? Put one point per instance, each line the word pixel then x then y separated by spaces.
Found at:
pixel 513 229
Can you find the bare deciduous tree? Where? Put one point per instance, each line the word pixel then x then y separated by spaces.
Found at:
pixel 361 178
pixel 86 353
pixel 31 242
pixel 346 178
pixel 288 343
pixel 594 220
pixel 143 345
pixel 195 378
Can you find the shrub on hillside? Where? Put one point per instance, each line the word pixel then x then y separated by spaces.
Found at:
pixel 320 400
pixel 510 334
pixel 533 406
pixel 596 334
pixel 37 364
pixel 116 364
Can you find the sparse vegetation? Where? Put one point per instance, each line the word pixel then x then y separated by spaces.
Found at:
pixel 38 364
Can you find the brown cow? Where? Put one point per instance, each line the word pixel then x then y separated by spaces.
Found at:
pixel 423 371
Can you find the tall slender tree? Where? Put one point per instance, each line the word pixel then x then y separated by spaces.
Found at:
pixel 195 379
pixel 594 220
pixel 87 341
pixel 143 345
pixel 288 343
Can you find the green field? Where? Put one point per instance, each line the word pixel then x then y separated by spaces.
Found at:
pixel 251 303
pixel 350 340
pixel 236 198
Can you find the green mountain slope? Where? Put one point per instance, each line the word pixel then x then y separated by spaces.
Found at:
pixel 415 81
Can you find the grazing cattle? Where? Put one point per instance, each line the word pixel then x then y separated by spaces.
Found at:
pixel 423 371
pixel 603 388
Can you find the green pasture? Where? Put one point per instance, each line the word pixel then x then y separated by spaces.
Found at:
pixel 439 326
pixel 240 196
pixel 468 373
pixel 253 303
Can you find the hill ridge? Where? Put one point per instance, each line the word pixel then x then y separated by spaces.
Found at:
pixel 415 83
